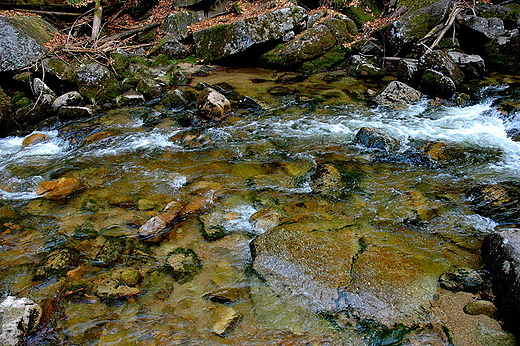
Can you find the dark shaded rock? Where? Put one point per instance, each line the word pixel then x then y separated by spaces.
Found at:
pixel 408 71
pixel 501 255
pixel 183 264
pixel 465 279
pixel 374 139
pixel 140 8
pixel 22 41
pixel 434 83
pixel 174 50
pixel 398 95
pixel 151 87
pixel 7 122
pixel 502 52
pixel 18 317
pixel 480 28
pixel 177 98
pixel 501 202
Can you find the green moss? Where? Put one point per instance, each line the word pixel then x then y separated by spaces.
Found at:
pixel 183 264
pixel 333 57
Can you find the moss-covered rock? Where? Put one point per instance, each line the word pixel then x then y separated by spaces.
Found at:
pixel 97 83
pixel 502 53
pixel 7 120
pixel 176 23
pixel 183 264
pixel 434 83
pixel 443 63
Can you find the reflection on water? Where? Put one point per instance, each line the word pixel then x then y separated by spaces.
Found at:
pixel 411 221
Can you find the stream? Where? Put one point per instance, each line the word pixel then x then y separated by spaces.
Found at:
pixel 400 222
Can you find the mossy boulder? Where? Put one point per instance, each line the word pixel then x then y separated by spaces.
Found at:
pixel 97 82
pixel 435 84
pixel 22 41
pixel 442 62
pixel 502 53
pixel 176 23
pixel 7 120
pixel 223 40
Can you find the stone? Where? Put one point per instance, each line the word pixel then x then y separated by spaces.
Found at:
pixel 59 188
pixel 22 40
pixel 434 83
pixel 327 180
pixel 130 98
pixel 464 279
pixel 183 264
pixel 130 277
pixel 481 307
pixel 441 62
pixel 110 252
pixel 156 228
pixel 177 23
pixel 398 95
pixel 483 28
pixel 501 255
pixel 39 88
pixel 96 82
pixel 18 317
pixel 375 139
pixel 7 119
pixel 429 335
pixel 57 263
pixel 502 52
pixel 74 112
pixel 224 318
pixel 98 136
pixel 500 202
pixel 175 98
pixel 472 65
pixel 264 220
pixel 33 139
pixel 72 98
pixel 212 104
pixel 110 288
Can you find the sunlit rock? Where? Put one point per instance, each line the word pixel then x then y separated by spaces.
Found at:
pixel 212 104
pixel 33 139
pixel 108 287
pixel 398 95
pixel 155 228
pixel 60 188
pixel 18 318
pixel 481 307
pixel 264 220
pixel 72 98
pixel 224 318
pixel 96 137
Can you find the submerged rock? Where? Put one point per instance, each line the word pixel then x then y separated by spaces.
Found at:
pixel 18 317
pixel 183 264
pixel 327 180
pixel 224 318
pixel 157 227
pixel 60 188
pixel 464 279
pixel 110 288
pixel 501 202
pixel 398 95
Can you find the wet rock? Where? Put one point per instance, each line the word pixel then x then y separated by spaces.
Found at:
pixel 398 95
pixel 408 71
pixel 151 87
pixel 156 228
pixel 130 277
pixel 375 139
pixel 501 202
pixel 183 264
pixel 327 180
pixel 501 255
pixel 226 295
pixel 74 112
pixel 429 335
pixel 221 41
pixel 39 89
pixel 18 317
pixel 213 226
pixel 264 220
pixel 224 318
pixel 110 288
pixel 72 98
pixel 96 82
pixel 434 83
pixel 130 98
pixel 57 263
pixel 60 188
pixel 481 307
pixel 363 67
pixel 33 139
pixel 176 98
pixel 110 252
pixel 212 104
pixel 472 65
pixel 464 279
pixel 7 122
pixel 22 41
pixel 98 136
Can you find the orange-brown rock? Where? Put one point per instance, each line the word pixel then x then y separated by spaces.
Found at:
pixel 59 188
pixel 34 139
pixel 155 228
pixel 97 137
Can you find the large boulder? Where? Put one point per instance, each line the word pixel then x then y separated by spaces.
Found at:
pixel 398 95
pixel 473 66
pixel 176 23
pixel 22 40
pixel 311 44
pixel 18 317
pixel 502 52
pixel 441 62
pixel 97 82
pixel 7 121
pixel 501 255
pixel 221 41
pixel 414 25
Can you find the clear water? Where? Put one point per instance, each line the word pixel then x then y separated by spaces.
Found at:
pixel 258 159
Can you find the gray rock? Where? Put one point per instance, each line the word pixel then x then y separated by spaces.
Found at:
pixel 97 82
pixel 440 61
pixel 130 98
pixel 72 98
pixel 484 27
pixel 174 50
pixel 39 88
pixel 398 95
pixel 18 317
pixel 176 23
pixel 472 65
pixel 502 52
pixel 501 255
pixel 408 71
pixel 464 279
pixel 22 41
pixel 74 112
pixel 375 139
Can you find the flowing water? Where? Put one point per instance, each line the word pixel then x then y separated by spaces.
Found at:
pixel 414 215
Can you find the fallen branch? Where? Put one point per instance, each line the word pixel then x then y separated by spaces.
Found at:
pixel 130 32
